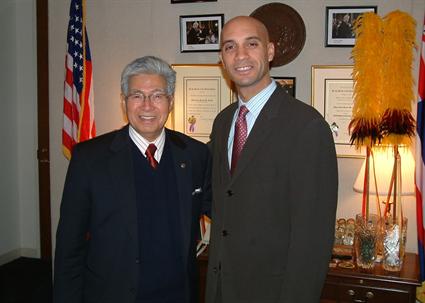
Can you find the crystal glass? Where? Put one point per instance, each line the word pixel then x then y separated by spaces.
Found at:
pixel 394 234
pixel 366 239
pixel 339 231
pixel 349 232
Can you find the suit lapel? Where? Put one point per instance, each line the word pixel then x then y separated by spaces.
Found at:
pixel 183 173
pixel 223 139
pixel 261 130
pixel 121 172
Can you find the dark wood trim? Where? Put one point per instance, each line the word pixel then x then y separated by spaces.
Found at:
pixel 43 129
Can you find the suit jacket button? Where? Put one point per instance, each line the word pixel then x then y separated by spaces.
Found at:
pixel 215 270
pixel 225 233
pixel 137 261
pixel 229 193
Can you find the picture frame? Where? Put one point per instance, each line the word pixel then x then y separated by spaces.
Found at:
pixel 339 24
pixel 200 33
pixel 202 91
pixel 287 83
pixel 191 1
pixel 332 95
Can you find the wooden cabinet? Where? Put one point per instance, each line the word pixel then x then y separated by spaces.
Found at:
pixel 373 286
pixel 358 286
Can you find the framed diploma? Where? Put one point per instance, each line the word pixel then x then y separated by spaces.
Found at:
pixel 202 91
pixel 332 96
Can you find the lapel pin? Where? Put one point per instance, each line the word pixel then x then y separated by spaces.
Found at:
pixel 183 165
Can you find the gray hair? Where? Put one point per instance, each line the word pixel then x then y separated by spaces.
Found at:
pixel 148 65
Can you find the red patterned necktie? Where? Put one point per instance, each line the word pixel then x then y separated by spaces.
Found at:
pixel 150 151
pixel 241 132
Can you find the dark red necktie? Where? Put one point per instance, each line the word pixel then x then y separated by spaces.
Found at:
pixel 150 151
pixel 241 132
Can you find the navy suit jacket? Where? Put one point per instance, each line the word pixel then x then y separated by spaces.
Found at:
pixel 99 200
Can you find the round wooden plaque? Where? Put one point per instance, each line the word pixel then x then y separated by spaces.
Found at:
pixel 286 29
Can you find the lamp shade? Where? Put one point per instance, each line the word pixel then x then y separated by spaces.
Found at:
pixel 384 161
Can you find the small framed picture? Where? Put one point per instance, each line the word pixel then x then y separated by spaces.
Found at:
pixel 339 24
pixel 191 1
pixel 200 33
pixel 288 84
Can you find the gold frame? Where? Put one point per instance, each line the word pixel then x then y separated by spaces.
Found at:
pixel 215 94
pixel 320 74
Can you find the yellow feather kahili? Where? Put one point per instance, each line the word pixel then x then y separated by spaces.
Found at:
pixel 397 122
pixel 367 76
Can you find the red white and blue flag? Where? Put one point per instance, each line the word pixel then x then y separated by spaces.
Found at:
pixel 78 107
pixel 420 169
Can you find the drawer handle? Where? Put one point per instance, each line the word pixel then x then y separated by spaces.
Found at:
pixel 369 295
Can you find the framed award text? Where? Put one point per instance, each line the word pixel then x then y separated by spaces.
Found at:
pixel 202 92
pixel 332 96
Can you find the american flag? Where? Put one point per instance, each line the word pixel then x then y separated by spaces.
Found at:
pixel 78 108
pixel 420 169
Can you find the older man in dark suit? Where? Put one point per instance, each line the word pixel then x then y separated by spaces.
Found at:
pixel 274 183
pixel 132 202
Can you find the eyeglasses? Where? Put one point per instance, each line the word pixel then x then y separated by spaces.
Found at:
pixel 155 98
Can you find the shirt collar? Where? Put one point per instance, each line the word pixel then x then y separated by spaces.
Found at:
pixel 264 94
pixel 142 143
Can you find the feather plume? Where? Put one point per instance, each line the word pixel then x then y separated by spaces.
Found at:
pixel 397 123
pixel 367 75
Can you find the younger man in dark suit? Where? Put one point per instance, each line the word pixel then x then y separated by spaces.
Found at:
pixel 132 202
pixel 274 183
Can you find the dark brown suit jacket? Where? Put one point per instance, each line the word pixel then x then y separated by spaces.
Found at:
pixel 273 220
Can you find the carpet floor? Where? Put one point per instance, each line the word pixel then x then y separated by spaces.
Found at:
pixel 26 280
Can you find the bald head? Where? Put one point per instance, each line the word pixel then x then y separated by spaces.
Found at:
pixel 249 23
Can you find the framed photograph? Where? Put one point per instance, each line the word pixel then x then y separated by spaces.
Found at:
pixel 339 24
pixel 191 1
pixel 200 33
pixel 332 95
pixel 202 91
pixel 288 83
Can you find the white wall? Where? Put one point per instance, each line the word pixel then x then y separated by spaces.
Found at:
pixel 121 30
pixel 19 231
pixel 26 64
pixel 9 208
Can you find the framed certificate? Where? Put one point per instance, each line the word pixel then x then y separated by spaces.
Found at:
pixel 332 96
pixel 202 92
